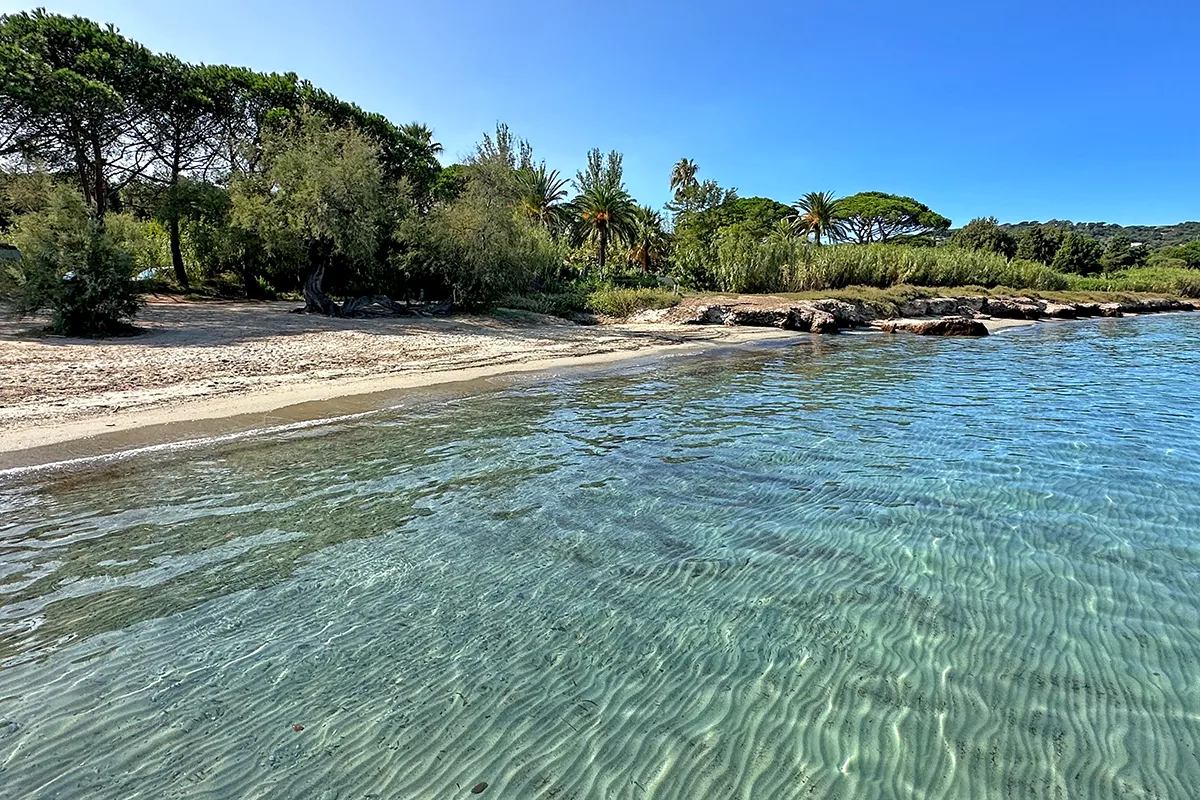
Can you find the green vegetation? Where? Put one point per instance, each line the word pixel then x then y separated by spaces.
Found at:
pixel 880 217
pixel 73 268
pixel 124 171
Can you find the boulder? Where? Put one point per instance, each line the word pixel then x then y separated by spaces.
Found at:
pixel 946 326
pixel 1061 310
pixel 823 322
pixel 1110 310
pixel 756 317
pixel 1087 309
pixel 807 317
pixel 1013 308
pixel 847 315
pixel 697 314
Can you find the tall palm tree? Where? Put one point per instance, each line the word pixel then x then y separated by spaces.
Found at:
pixel 817 213
pixel 683 176
pixel 648 243
pixel 605 212
pixel 542 193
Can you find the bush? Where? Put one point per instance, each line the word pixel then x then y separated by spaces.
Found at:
pixel 72 267
pixel 619 302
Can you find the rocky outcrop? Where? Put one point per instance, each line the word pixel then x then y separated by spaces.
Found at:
pixel 954 316
pixel 946 326
pixel 1060 310
pixel 1012 308
pixel 943 307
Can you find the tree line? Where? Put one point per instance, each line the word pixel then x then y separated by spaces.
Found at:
pixel 122 168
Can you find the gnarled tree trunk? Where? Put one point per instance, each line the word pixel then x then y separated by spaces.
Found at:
pixel 315 299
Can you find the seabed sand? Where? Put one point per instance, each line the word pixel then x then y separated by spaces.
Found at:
pixel 204 369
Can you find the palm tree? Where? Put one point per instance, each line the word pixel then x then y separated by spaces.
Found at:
pixel 683 176
pixel 648 243
pixel 605 213
pixel 817 213
pixel 542 193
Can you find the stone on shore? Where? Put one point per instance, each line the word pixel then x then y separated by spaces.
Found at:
pixel 946 326
pixel 1060 310
pixel 1013 308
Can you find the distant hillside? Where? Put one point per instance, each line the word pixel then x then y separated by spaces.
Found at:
pixel 1153 236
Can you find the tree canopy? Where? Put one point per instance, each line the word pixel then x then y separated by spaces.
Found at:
pixel 880 217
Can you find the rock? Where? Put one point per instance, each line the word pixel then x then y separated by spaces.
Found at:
pixel 823 322
pixel 943 307
pixel 946 326
pixel 1087 309
pixel 756 317
pixel 1061 310
pixel 847 315
pixel 1110 310
pixel 806 317
pixel 697 314
pixel 479 787
pixel 1012 308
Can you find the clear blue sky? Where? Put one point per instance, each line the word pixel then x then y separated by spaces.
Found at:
pixel 1024 110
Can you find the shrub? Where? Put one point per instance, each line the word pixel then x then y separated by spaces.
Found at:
pixel 72 267
pixel 623 302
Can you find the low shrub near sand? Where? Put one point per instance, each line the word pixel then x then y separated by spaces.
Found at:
pixel 623 302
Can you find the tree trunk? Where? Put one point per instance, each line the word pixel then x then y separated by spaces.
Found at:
pixel 248 282
pixel 315 301
pixel 603 245
pixel 99 186
pixel 177 252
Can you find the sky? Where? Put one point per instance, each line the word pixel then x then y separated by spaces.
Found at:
pixel 1088 111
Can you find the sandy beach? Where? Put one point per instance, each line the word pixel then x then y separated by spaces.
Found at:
pixel 216 360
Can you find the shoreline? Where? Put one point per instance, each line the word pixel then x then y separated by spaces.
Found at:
pixel 316 400
pixel 202 408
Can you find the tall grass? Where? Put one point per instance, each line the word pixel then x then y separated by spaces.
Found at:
pixel 744 264
pixel 1155 280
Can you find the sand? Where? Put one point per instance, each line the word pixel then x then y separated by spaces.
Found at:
pixel 216 360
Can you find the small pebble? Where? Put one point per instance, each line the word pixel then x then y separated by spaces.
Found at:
pixel 297 727
pixel 479 787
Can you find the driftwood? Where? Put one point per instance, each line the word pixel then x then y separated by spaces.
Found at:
pixel 317 302
pixel 377 305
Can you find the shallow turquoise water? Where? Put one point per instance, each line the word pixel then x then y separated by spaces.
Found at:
pixel 859 567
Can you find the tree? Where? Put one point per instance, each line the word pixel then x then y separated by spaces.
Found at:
pixel 683 178
pixel 648 240
pixel 1121 254
pixel 692 196
pixel 319 201
pixel 180 131
pixel 818 214
pixel 71 91
pixel 1039 243
pixel 880 217
pixel 985 233
pixel 1078 254
pixel 72 267
pixel 1187 254
pixel 604 210
pixel 542 196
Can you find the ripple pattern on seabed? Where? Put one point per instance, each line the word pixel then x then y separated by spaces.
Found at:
pixel 865 567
